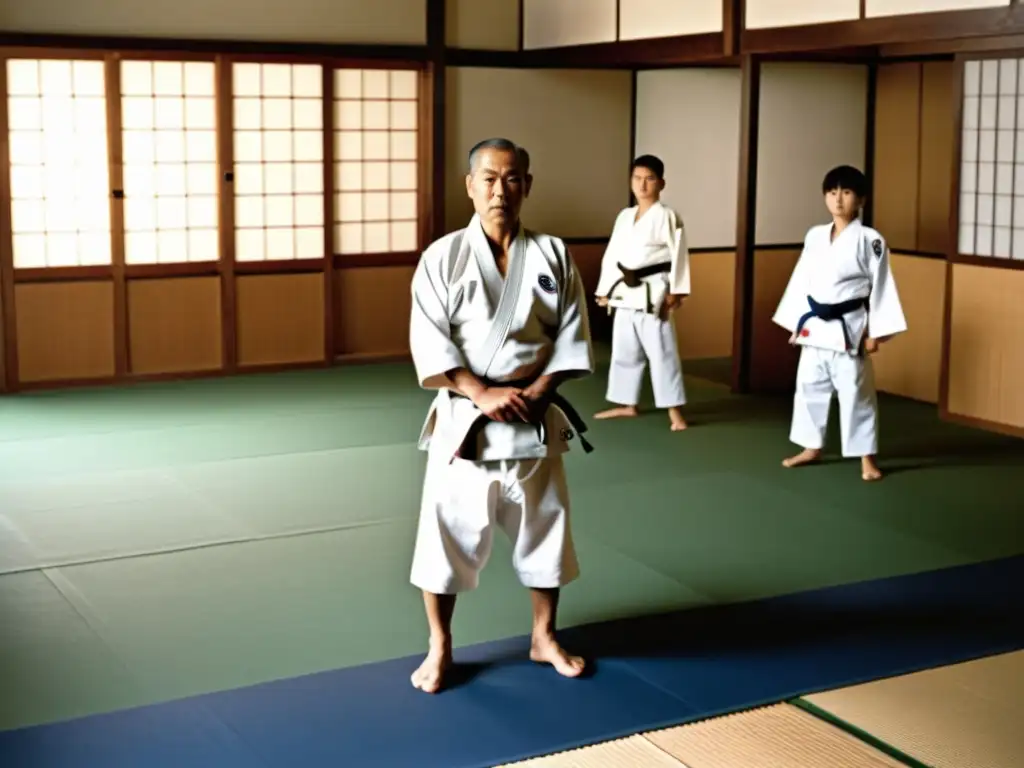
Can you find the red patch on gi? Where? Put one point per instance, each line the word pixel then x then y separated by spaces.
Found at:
pixel 804 332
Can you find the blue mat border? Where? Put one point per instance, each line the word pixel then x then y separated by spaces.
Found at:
pixel 651 673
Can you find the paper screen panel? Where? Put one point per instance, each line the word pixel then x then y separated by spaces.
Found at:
pixel 641 19
pixel 169 150
pixel 991 207
pixel 559 23
pixel 279 154
pixel 903 7
pixel 764 14
pixel 60 181
pixel 376 179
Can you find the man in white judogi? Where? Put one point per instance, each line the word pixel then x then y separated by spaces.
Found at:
pixel 498 322
pixel 645 275
pixel 840 304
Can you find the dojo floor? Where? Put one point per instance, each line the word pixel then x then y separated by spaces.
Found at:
pixel 163 541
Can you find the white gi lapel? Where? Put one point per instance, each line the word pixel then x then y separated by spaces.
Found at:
pixel 505 310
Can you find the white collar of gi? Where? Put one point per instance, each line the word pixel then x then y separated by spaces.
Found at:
pixel 478 241
pixel 850 230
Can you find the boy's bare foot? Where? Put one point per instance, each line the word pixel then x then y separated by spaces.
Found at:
pixel 869 470
pixel 676 420
pixel 623 412
pixel 806 456
pixel 544 649
pixel 429 677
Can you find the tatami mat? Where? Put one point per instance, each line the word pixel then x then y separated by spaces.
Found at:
pixel 962 716
pixel 634 752
pixel 779 736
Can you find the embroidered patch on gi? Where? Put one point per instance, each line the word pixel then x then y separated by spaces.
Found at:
pixel 546 284
pixel 566 434
pixel 804 332
pixel 876 246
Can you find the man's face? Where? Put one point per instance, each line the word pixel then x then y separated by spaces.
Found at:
pixel 842 203
pixel 645 184
pixel 497 186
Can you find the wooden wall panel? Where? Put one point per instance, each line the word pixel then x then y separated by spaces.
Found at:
pixel 914 154
pixel 704 322
pixel 557 23
pixel 897 154
pixel 986 356
pixel 65 330
pixel 938 153
pixel 174 325
pixel 902 7
pixel 910 365
pixel 371 310
pixel 639 19
pixel 3 349
pixel 772 359
pixel 482 24
pixel 762 14
pixel 280 319
pixel 304 21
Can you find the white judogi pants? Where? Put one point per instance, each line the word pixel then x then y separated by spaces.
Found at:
pixel 462 503
pixel 822 373
pixel 638 338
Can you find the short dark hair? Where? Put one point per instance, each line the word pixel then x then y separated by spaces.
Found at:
pixel 845 177
pixel 651 163
pixel 505 145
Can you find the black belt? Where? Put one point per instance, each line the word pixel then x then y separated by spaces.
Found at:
pixel 832 312
pixel 632 277
pixel 468 449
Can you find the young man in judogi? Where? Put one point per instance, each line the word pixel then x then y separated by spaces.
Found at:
pixel 645 275
pixel 499 321
pixel 840 305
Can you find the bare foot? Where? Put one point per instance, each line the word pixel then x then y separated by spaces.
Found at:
pixel 869 470
pixel 806 456
pixel 429 677
pixel 544 649
pixel 623 412
pixel 675 417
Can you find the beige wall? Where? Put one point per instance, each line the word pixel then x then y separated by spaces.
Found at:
pixel 483 24
pixel 665 18
pixel 326 21
pixel 690 118
pixel 795 151
pixel 898 7
pixel 789 13
pixel 575 124
pixel 813 117
pixel 554 23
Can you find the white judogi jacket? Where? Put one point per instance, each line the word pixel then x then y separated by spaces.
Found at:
pixel 855 266
pixel 531 323
pixel 658 237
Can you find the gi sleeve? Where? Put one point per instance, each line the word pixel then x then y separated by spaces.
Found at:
pixel 430 341
pixel 573 352
pixel 679 275
pixel 885 312
pixel 793 304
